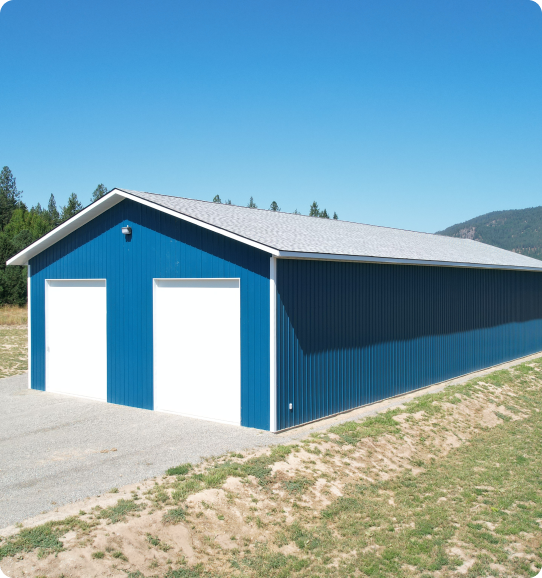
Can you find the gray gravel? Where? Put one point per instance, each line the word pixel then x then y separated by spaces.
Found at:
pixel 51 447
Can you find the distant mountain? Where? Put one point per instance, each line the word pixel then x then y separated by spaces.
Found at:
pixel 516 230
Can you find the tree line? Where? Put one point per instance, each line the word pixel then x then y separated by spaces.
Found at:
pixel 314 210
pixel 21 226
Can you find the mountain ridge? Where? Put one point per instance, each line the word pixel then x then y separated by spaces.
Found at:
pixel 517 230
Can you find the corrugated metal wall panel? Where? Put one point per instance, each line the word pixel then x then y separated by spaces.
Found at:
pixel 161 246
pixel 349 334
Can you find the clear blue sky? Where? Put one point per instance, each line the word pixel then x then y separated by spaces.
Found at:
pixel 415 114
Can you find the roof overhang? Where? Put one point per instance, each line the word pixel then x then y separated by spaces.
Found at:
pixel 106 202
pixel 115 196
pixel 395 261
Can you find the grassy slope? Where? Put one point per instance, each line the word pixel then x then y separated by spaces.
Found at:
pixel 514 230
pixel 448 485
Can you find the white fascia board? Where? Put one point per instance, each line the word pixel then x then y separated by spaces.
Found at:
pixel 393 261
pixel 86 215
pixel 199 223
pixel 106 202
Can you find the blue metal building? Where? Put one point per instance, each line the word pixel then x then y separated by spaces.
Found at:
pixel 266 320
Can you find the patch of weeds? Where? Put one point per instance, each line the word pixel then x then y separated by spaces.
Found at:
pixel 160 496
pixel 157 543
pixel 185 488
pixel 181 470
pixel 98 555
pixel 502 416
pixel 44 537
pixel 185 572
pixel 352 432
pixel 174 516
pixel 119 556
pixel 114 491
pixel 303 538
pixel 297 486
pixel 120 511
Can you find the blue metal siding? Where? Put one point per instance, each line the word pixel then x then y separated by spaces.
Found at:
pixel 349 334
pixel 161 246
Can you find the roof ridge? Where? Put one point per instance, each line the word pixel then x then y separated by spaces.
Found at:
pixel 293 214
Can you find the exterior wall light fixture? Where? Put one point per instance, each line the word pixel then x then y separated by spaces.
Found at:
pixel 126 230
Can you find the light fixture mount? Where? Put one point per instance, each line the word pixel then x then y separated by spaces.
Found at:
pixel 126 230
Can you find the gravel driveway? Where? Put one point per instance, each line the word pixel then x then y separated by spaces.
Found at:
pixel 56 449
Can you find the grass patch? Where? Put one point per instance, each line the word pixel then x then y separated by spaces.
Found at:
pixel 46 538
pixel 174 516
pixel 120 511
pixel 119 555
pixel 13 315
pixel 217 474
pixel 181 470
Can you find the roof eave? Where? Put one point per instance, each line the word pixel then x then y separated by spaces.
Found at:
pixel 106 202
pixel 397 261
pixel 92 211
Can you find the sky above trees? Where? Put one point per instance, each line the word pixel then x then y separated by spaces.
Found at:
pixel 413 114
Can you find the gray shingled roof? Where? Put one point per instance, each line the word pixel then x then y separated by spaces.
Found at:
pixel 290 233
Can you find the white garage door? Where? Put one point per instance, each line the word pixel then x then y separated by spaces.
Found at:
pixel 197 348
pixel 76 338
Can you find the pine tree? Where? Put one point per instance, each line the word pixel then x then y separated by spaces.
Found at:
pixel 335 216
pixel 296 212
pixel 228 202
pixel 323 214
pixel 52 211
pixel 10 197
pixel 217 199
pixel 314 210
pixel 274 207
pixel 252 204
pixel 98 193
pixel 72 207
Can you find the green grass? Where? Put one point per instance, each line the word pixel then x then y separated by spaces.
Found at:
pixel 179 470
pixel 216 474
pixel 120 511
pixel 174 516
pixel 45 538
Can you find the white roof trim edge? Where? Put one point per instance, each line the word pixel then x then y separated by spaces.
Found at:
pixel 203 224
pixel 86 215
pixel 397 261
pixel 106 202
